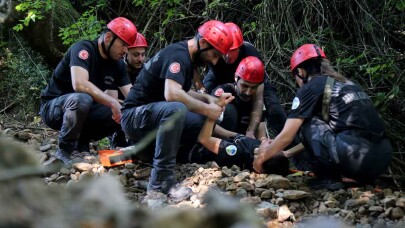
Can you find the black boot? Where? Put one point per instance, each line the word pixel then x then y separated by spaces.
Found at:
pixel 118 139
pixel 64 156
pixel 83 146
pixel 330 184
pixel 178 193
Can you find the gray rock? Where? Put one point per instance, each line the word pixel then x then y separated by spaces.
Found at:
pixel 52 165
pixel 362 210
pixel 278 182
pixel 73 177
pixel 222 183
pixel 397 213
pixel 241 177
pixel 231 187
pixel 91 159
pixel 142 173
pixel 226 172
pixel 322 222
pixel 65 171
pixel 295 194
pixel 62 179
pixel 389 201
pixel 331 203
pixel 261 183
pixel 53 177
pixel 400 202
pixel 266 194
pixel 235 168
pixel 130 165
pixel 259 191
pixel 322 208
pixel 82 166
pixel 380 224
pixel 155 200
pixel 241 193
pixel 350 217
pixel 364 221
pixel 45 147
pixel 24 135
pixel 85 176
pixel 248 187
pixel 279 195
pixel 376 208
pixel 283 213
pixel 279 201
pixel 114 172
pixel 350 203
pixel 251 200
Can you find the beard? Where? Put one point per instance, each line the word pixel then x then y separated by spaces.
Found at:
pixel 198 59
pixel 241 95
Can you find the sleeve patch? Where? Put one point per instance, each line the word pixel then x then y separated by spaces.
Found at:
pixel 231 150
pixel 174 67
pixel 296 103
pixel 83 54
pixel 219 92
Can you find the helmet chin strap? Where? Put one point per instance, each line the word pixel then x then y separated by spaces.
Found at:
pixel 107 51
pixel 304 80
pixel 197 55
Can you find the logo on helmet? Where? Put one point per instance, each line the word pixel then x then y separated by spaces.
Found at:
pixel 83 54
pixel 218 92
pixel 231 150
pixel 174 67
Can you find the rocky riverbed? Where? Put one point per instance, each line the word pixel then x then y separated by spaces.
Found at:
pixel 90 194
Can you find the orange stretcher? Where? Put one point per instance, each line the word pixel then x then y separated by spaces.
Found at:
pixel 110 158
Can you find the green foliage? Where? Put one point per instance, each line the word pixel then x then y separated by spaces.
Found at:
pixel 103 144
pixel 400 5
pixel 88 26
pixel 364 39
pixel 34 10
pixel 23 76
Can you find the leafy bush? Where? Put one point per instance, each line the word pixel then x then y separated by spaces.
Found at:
pixel 34 10
pixel 23 75
pixel 87 27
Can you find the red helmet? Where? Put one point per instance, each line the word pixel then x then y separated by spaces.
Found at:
pixel 251 69
pixel 305 52
pixel 124 29
pixel 236 34
pixel 139 42
pixel 217 34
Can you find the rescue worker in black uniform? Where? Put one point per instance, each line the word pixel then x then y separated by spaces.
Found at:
pixel 341 128
pixel 236 149
pixel 136 56
pixel 134 60
pixel 161 99
pixel 248 77
pixel 224 71
pixel 74 102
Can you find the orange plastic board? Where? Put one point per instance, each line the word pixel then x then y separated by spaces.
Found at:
pixel 105 157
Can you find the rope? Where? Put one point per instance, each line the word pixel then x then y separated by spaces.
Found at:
pixel 22 47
